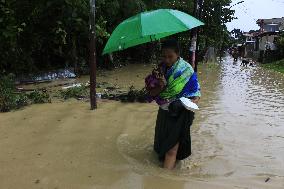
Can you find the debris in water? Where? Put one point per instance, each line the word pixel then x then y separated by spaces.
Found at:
pixel 267 179
pixel 37 181
pixel 99 95
pixel 72 86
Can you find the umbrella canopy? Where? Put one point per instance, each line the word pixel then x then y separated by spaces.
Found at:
pixel 149 26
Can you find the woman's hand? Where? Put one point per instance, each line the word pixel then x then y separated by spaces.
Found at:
pixel 163 81
pixel 195 99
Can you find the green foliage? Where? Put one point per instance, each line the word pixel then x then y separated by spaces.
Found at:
pixel 39 97
pixel 215 15
pixel 21 100
pixel 136 95
pixel 11 99
pixel 6 94
pixel 8 98
pixel 280 45
pixel 40 35
pixel 75 92
pixel 280 41
pixel 238 36
pixel 277 66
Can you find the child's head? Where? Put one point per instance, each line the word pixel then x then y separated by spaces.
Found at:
pixel 170 52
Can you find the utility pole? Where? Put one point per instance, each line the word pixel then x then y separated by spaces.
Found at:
pixel 193 36
pixel 221 34
pixel 199 13
pixel 92 58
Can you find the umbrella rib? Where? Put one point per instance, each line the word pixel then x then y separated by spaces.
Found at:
pixel 140 28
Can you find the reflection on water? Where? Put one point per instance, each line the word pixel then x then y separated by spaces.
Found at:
pixel 239 130
pixel 252 110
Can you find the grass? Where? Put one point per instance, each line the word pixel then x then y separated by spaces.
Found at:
pixel 276 66
pixel 75 92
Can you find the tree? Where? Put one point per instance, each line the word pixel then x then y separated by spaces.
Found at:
pixel 215 15
pixel 237 36
pixel 40 35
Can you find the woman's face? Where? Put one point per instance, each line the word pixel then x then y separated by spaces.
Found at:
pixel 169 57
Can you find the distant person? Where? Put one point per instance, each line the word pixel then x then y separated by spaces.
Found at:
pixel 235 55
pixel 174 78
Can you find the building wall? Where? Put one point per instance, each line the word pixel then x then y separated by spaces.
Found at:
pixel 271 28
pixel 249 48
pixel 264 40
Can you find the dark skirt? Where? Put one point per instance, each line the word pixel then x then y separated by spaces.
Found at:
pixel 171 130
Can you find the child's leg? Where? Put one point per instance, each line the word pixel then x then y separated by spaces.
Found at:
pixel 170 158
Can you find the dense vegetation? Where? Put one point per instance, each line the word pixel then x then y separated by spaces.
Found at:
pixel 41 35
pixel 277 63
pixel 11 99
pixel 280 45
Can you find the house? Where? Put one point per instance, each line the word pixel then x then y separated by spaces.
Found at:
pixel 249 45
pixel 271 25
pixel 269 30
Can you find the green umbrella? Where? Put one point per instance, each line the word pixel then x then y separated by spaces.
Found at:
pixel 149 26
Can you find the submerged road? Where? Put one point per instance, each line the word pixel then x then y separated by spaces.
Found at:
pixel 237 138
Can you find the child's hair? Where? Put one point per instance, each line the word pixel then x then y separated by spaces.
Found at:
pixel 171 44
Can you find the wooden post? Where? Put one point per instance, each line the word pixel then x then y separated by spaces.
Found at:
pixel 221 33
pixel 193 37
pixel 92 58
pixel 199 16
pixel 194 32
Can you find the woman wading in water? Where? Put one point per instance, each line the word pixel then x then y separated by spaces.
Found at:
pixel 174 78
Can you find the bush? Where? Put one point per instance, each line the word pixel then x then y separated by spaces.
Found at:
pixel 276 66
pixel 21 100
pixel 75 92
pixel 39 97
pixel 11 99
pixel 136 95
pixel 280 45
pixel 6 93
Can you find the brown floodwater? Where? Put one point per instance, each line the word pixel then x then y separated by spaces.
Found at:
pixel 237 137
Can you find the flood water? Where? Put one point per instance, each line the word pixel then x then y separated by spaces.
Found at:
pixel 238 135
pixel 237 138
